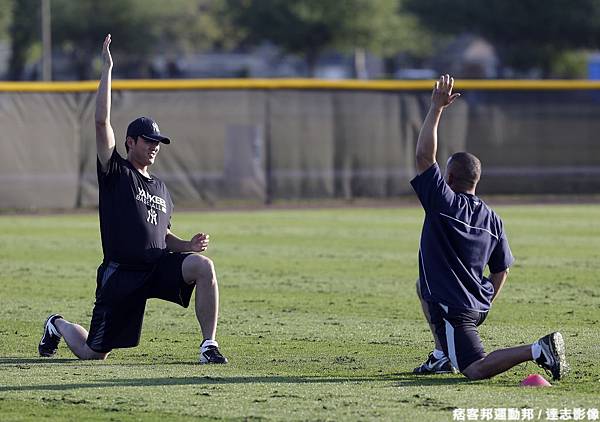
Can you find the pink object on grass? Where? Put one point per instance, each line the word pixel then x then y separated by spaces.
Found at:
pixel 535 380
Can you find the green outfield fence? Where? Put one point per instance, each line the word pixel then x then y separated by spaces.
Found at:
pixel 268 139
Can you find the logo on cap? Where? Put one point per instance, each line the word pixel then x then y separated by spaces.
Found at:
pixel 148 129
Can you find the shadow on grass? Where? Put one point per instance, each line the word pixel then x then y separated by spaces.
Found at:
pixel 110 362
pixel 401 380
pixel 30 361
pixel 408 379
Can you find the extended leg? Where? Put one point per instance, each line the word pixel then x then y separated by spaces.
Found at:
pixel 548 352
pixel 497 362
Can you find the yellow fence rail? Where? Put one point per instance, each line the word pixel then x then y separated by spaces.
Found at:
pixel 303 84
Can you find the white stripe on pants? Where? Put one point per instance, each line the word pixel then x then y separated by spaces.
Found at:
pixel 451 346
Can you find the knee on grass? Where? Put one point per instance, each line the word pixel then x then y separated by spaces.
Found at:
pixel 475 371
pixel 87 353
pixel 98 356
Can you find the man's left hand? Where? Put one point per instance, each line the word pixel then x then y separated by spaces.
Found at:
pixel 199 242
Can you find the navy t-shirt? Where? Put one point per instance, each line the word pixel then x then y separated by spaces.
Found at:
pixel 135 213
pixel 461 235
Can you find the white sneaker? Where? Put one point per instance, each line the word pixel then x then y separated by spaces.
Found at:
pixel 209 353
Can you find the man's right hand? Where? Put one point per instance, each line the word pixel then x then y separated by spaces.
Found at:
pixel 105 137
pixel 442 95
pixel 106 57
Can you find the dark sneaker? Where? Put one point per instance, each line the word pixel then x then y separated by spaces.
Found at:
pixel 209 353
pixel 49 342
pixel 435 366
pixel 553 358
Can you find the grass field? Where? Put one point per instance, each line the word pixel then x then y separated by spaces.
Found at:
pixel 319 320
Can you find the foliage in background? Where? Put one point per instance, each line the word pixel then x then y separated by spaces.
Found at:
pixel 310 27
pixel 143 28
pixel 187 26
pixel 140 29
pixel 24 34
pixel 79 28
pixel 406 37
pixel 527 33
pixel 5 18
pixel 570 65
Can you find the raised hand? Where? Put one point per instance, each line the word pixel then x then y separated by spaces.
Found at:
pixel 199 242
pixel 442 95
pixel 106 57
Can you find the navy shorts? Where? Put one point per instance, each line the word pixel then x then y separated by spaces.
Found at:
pixel 457 331
pixel 121 295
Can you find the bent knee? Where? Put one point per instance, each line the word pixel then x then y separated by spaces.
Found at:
pixel 202 267
pixel 474 376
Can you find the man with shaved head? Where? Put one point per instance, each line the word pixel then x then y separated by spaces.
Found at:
pixel 462 236
pixel 465 170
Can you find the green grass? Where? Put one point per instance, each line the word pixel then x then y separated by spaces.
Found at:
pixel 319 319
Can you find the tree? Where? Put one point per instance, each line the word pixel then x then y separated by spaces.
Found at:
pixel 78 29
pixel 24 34
pixel 192 25
pixel 140 28
pixel 5 21
pixel 308 27
pixel 526 33
pixel 5 17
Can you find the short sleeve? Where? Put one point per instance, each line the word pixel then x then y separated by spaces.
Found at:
pixel 501 257
pixel 171 208
pixel 432 190
pixel 115 163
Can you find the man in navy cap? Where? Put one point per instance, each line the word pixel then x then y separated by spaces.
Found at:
pixel 142 258
pixel 461 236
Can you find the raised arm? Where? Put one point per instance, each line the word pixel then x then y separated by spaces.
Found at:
pixel 105 137
pixel 441 97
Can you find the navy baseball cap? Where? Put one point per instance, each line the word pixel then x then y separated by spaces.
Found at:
pixel 148 129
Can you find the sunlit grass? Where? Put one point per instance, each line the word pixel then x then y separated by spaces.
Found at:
pixel 318 317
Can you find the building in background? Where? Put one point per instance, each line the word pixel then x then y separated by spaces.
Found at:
pixel 468 57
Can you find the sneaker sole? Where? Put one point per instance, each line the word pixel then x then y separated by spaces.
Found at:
pixel 435 372
pixel 416 372
pixel 558 347
pixel 204 361
pixel 211 363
